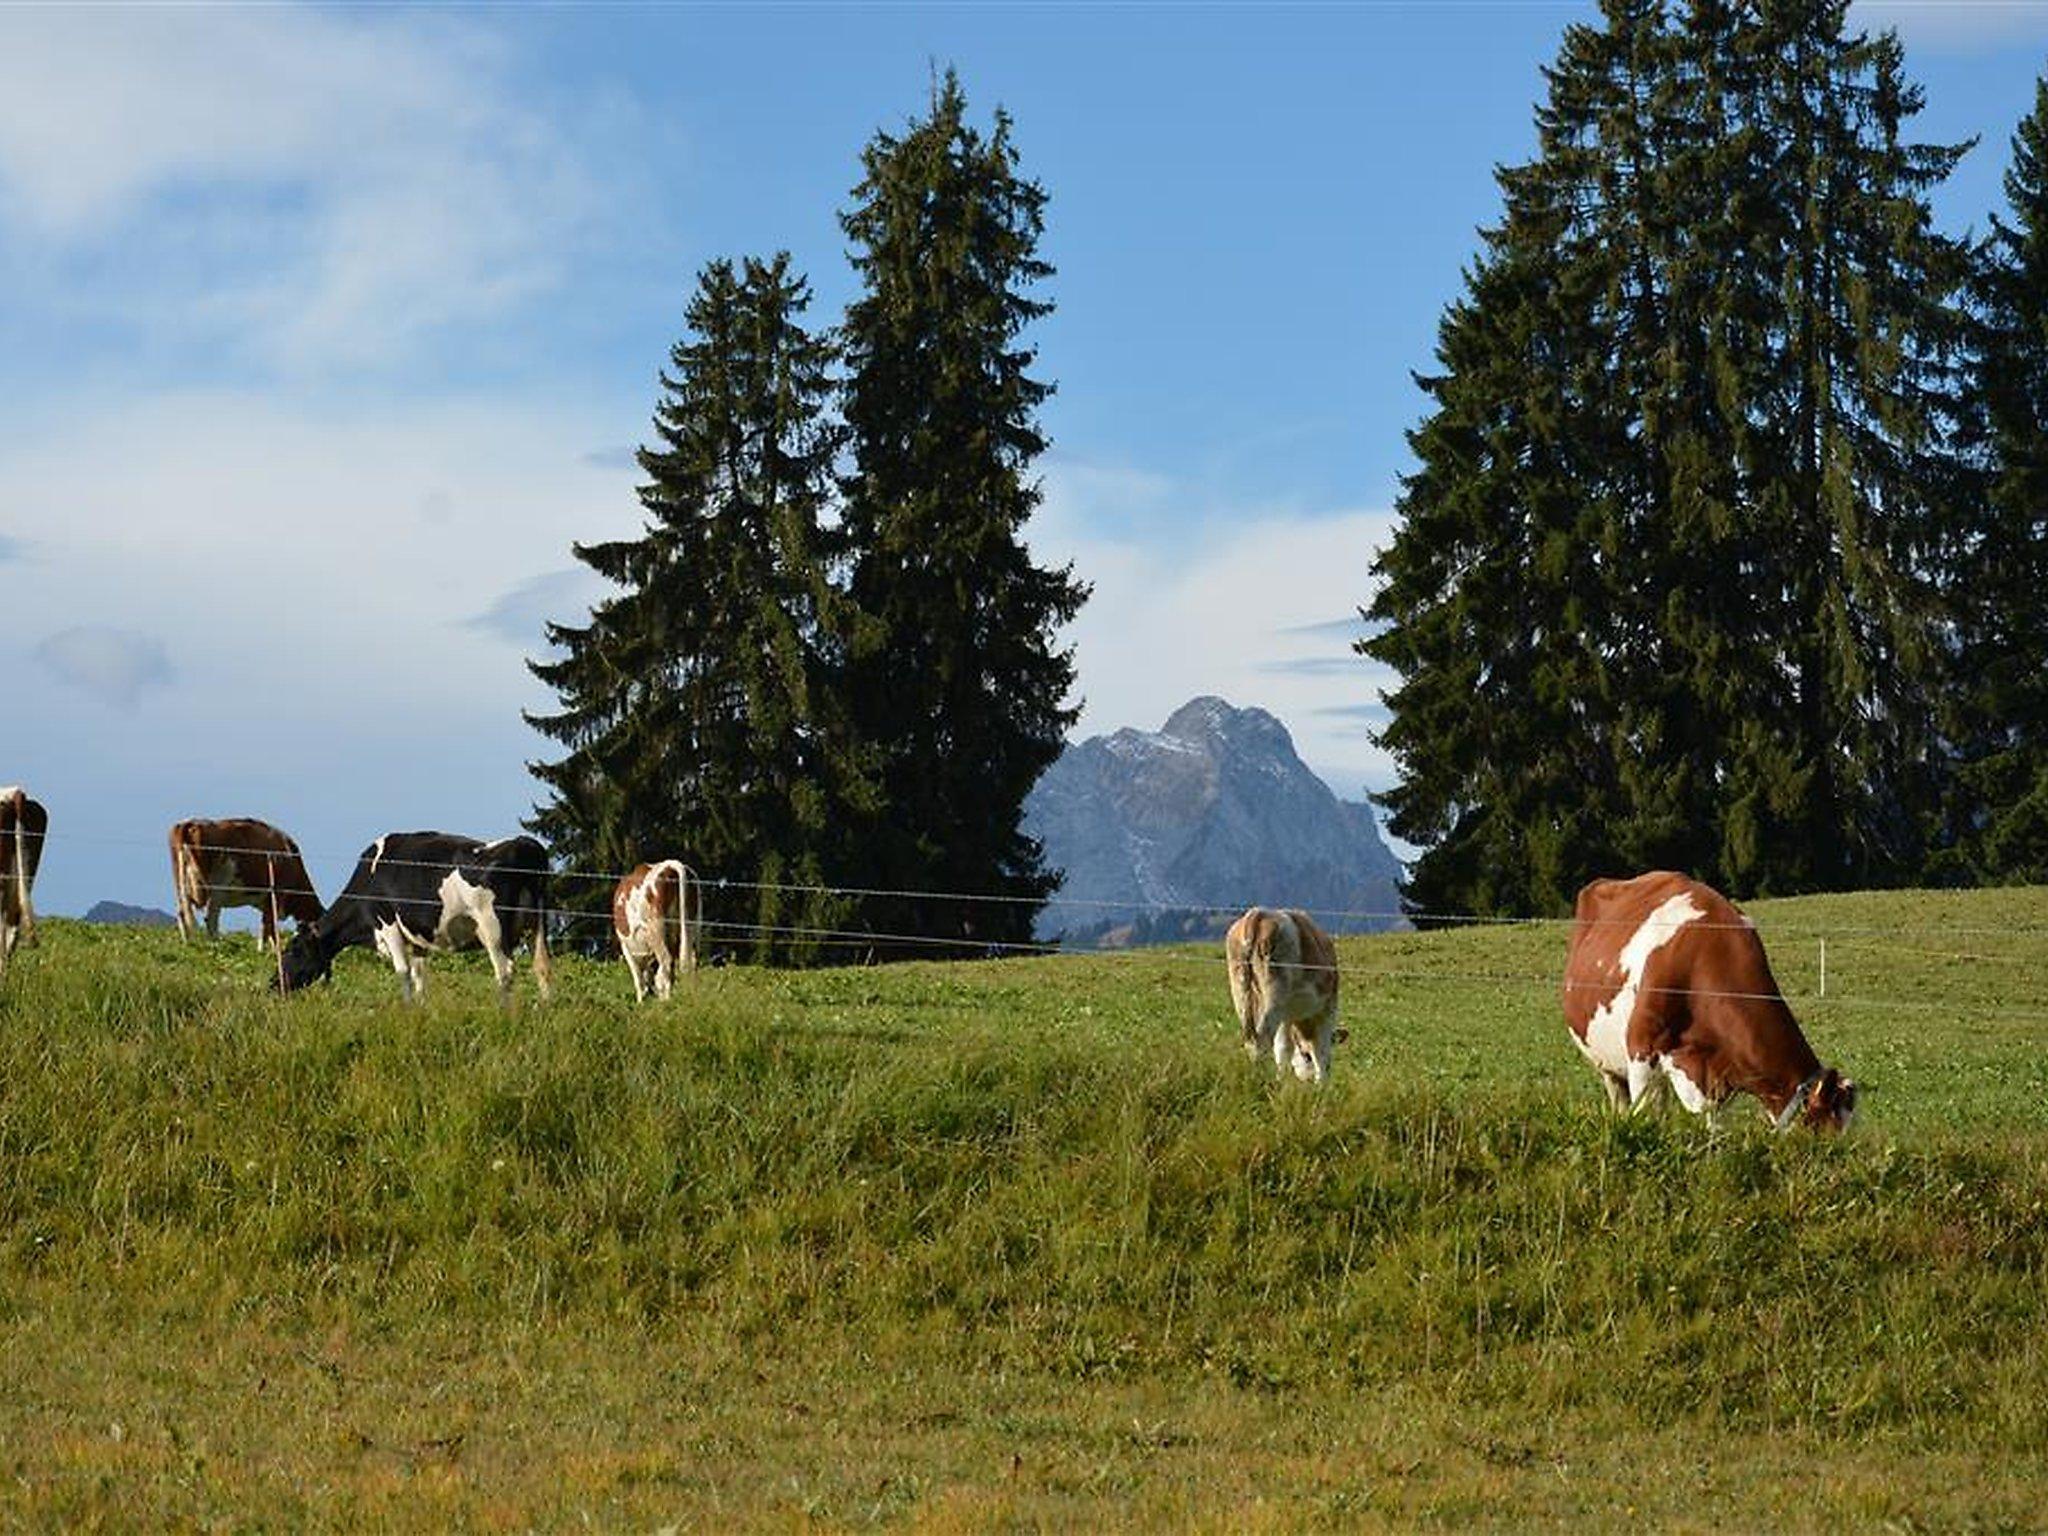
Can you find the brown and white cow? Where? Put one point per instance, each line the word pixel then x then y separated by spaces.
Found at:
pixel 1283 980
pixel 644 906
pixel 1666 984
pixel 23 825
pixel 239 862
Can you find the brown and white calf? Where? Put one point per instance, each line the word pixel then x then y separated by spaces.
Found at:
pixel 23 825
pixel 645 906
pixel 1283 980
pixel 239 862
pixel 1666 985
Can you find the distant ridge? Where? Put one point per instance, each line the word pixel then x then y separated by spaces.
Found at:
pixel 1212 811
pixel 119 912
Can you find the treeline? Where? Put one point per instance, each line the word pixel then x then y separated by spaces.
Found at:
pixel 1727 544
pixel 831 662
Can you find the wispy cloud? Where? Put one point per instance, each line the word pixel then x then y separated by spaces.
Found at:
pixel 318 188
pixel 1347 665
pixel 116 666
pixel 621 457
pixel 1350 628
pixel 559 597
pixel 1357 722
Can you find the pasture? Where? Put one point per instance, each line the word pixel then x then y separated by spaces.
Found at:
pixel 1014 1244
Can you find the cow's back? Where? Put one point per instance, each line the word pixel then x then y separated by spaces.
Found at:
pixel 1285 958
pixel 1609 946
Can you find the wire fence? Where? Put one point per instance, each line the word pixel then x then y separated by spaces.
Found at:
pixel 572 922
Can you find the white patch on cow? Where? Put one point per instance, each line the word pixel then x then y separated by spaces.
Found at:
pixel 376 855
pixel 464 907
pixel 1606 1041
pixel 469 915
pixel 1690 1094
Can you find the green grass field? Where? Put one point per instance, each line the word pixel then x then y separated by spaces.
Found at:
pixel 1014 1244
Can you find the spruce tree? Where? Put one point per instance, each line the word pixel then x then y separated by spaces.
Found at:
pixel 2001 817
pixel 700 704
pixel 1669 582
pixel 956 676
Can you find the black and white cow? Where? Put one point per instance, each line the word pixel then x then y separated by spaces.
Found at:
pixel 417 892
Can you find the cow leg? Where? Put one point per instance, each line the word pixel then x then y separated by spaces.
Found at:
pixel 1281 1037
pixel 213 920
pixel 1326 1036
pixel 1243 997
pixel 490 933
pixel 1645 1084
pixel 633 970
pixel 1617 1092
pixel 392 942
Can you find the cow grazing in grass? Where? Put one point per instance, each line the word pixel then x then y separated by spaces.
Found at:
pixel 647 906
pixel 239 862
pixel 1667 985
pixel 417 892
pixel 23 825
pixel 1283 979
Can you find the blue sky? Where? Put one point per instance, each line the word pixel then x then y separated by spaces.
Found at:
pixel 324 331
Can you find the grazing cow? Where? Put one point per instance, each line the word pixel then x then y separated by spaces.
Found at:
pixel 1667 985
pixel 417 892
pixel 1283 979
pixel 239 863
pixel 644 905
pixel 23 824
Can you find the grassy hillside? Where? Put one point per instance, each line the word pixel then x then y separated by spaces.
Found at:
pixel 1013 1244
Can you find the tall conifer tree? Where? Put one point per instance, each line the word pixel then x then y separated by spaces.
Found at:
pixel 1689 448
pixel 700 704
pixel 2002 820
pixel 957 676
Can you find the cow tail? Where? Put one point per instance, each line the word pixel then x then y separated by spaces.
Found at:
pixel 670 893
pixel 543 967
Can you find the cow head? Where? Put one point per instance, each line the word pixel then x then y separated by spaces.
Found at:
pixel 307 959
pixel 1824 1102
pixel 1830 1103
pixel 1310 1057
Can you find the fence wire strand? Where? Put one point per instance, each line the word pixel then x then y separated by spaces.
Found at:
pixel 568 920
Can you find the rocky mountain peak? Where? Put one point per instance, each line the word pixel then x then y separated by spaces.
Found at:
pixel 1171 834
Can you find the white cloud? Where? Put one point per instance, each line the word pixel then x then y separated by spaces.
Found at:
pixel 1240 604
pixel 310 561
pixel 315 188
pixel 116 666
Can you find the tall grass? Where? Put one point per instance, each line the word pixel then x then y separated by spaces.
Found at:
pixel 1057 1169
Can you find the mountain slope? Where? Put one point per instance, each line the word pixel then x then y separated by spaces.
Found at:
pixel 1171 834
